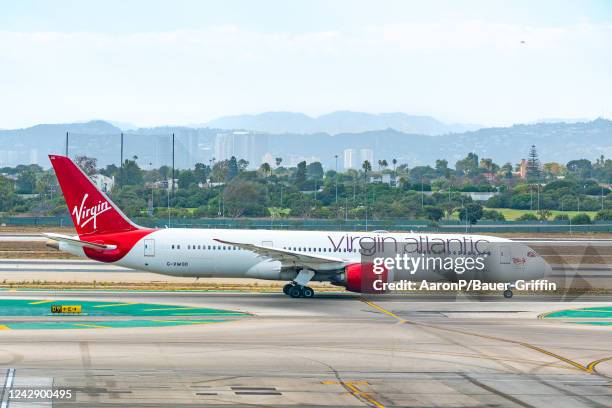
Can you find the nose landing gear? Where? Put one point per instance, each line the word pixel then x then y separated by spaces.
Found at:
pixel 508 292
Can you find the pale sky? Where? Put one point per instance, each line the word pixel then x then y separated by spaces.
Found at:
pixel 183 62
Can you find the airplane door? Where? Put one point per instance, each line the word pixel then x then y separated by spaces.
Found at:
pixel 504 254
pixel 149 247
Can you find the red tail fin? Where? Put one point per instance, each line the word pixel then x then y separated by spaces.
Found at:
pixel 91 210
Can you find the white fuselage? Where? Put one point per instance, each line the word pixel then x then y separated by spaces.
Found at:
pixel 196 253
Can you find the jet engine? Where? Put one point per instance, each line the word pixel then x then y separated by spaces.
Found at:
pixel 362 278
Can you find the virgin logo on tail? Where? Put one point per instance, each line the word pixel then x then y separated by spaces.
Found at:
pixel 86 214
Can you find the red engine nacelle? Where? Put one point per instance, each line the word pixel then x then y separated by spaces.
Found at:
pixel 361 278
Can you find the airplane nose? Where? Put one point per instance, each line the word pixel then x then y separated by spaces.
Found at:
pixel 547 268
pixel 538 268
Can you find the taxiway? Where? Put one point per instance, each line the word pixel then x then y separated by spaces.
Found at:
pixel 331 351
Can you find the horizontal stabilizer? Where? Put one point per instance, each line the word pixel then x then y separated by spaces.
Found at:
pixel 76 241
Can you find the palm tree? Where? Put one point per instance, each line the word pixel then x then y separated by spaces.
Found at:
pixel 394 161
pixel 265 169
pixel 279 160
pixel 366 166
pixel 384 163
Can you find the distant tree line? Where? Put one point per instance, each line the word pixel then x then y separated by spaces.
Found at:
pixel 227 188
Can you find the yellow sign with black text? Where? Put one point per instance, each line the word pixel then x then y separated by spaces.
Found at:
pixel 72 309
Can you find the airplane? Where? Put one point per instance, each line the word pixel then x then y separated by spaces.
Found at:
pixel 106 234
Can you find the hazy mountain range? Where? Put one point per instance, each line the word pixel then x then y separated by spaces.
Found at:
pixel 337 122
pixel 556 141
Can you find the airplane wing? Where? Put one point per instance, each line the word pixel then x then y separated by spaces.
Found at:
pixel 76 241
pixel 286 256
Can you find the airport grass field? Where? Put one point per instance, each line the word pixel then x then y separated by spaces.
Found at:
pixel 512 214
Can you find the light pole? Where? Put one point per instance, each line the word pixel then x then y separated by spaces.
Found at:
pixel 465 214
pixel 449 203
pixel 365 194
pixel 345 208
pixel 168 193
pixel 336 157
pixel 422 195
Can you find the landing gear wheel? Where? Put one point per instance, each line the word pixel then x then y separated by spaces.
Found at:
pixel 295 292
pixel 308 292
pixel 507 293
pixel 287 288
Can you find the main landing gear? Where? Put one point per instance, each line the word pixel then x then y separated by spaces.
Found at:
pixel 298 288
pixel 296 291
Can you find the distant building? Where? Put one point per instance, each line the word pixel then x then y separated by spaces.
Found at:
pixel 33 156
pixel 384 178
pixel 242 145
pixel 9 158
pixel 349 159
pixel 295 159
pixel 163 184
pixel 267 158
pixel 522 172
pixel 103 182
pixel 353 158
pixel 479 195
pixel 490 177
pixel 366 154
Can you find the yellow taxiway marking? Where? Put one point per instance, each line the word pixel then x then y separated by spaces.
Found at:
pixel 171 308
pixel 591 366
pixel 4 327
pixel 526 345
pixel 380 309
pixel 116 304
pixel 40 302
pixel 91 325
pixel 351 386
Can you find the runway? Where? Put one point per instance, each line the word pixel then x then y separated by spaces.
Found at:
pixel 331 351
